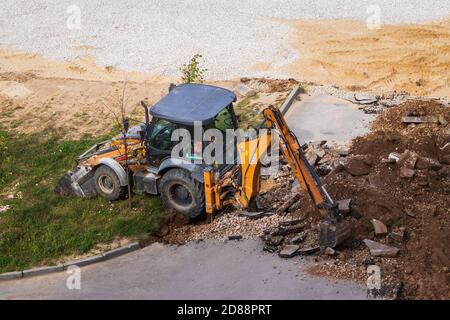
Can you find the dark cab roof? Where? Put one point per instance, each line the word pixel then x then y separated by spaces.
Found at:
pixel 191 102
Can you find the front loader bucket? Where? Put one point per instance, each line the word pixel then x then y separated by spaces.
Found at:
pixel 333 233
pixel 79 183
pixel 64 186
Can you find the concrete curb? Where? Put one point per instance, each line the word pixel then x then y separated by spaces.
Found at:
pixel 79 263
pixel 289 100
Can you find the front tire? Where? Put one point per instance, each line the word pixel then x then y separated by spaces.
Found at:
pixel 182 193
pixel 107 183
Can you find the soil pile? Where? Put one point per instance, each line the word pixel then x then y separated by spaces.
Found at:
pixel 417 202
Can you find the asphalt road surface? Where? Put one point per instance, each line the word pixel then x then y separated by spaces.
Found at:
pixel 322 117
pixel 204 270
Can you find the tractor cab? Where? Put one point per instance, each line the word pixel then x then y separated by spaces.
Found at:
pixel 193 108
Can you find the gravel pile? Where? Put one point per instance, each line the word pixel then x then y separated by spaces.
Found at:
pixel 225 226
pixel 159 35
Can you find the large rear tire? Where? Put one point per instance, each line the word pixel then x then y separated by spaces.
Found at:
pixel 107 184
pixel 179 191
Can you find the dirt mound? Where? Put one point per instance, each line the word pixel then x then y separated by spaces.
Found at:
pixel 268 85
pixel 420 203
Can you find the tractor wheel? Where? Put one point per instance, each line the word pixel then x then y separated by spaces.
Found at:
pixel 107 183
pixel 182 193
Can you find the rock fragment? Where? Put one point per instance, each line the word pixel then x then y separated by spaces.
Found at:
pixel 289 251
pixel 244 90
pixel 428 163
pixel 407 172
pixel 379 227
pixel 308 250
pixel 398 234
pixel 380 250
pixel 344 206
pixel 252 215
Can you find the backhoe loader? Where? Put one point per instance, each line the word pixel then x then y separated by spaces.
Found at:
pixel 189 184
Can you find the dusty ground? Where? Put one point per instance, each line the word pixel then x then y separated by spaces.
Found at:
pixel 410 57
pixel 37 94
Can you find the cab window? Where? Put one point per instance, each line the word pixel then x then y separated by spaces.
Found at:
pixel 224 120
pixel 160 137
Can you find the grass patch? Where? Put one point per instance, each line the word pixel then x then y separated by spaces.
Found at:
pixel 41 226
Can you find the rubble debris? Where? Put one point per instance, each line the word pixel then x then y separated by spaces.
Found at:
pixel 380 250
pixel 428 163
pixel 235 237
pixel 268 85
pixel 244 90
pixel 398 234
pixel 342 151
pixel 344 206
pixel 283 208
pixel 312 158
pixel 274 240
pixel 287 223
pixel 285 230
pixel 330 252
pixel 406 172
pixel 308 250
pixel 365 99
pixel 418 120
pixel 379 227
pixel 252 215
pixel 289 251
pixel 3 209
pixel 300 237
pixel 442 120
pixel 408 159
pixel 393 157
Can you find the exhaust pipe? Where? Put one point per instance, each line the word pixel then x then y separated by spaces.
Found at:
pixel 145 106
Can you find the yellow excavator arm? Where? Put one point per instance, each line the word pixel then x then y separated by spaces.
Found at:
pixel 333 229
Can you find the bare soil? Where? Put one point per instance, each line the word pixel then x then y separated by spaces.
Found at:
pixel 420 204
pixel 405 57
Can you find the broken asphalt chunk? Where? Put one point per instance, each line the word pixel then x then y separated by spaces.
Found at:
pixel 244 90
pixel 289 251
pixel 408 159
pixel 252 215
pixel 300 237
pixel 344 206
pixel 398 234
pixel 365 99
pixel 428 163
pixel 381 250
pixel 330 252
pixel 309 250
pixel 290 222
pixel 379 227
pixel 424 119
